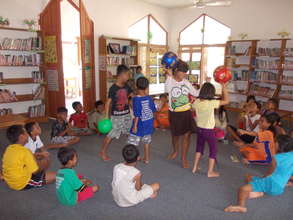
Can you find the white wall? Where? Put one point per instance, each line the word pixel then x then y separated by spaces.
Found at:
pixel 260 19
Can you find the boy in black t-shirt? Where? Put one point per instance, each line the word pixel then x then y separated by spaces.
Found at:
pixel 117 105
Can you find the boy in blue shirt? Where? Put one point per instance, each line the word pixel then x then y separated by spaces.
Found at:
pixel 143 122
pixel 280 174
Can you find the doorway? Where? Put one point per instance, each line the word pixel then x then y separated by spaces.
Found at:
pixel 72 68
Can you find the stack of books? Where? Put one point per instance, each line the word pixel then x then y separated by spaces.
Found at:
pixel 38 77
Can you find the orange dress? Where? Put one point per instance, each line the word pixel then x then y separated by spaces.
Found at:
pixel 264 148
pixel 162 117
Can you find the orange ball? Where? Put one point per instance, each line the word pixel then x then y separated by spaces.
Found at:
pixel 222 74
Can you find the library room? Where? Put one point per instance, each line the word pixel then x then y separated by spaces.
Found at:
pixel 146 109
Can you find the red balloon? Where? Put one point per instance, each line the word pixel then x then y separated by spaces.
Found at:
pixel 222 74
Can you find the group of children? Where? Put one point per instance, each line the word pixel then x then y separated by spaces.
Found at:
pixel 25 161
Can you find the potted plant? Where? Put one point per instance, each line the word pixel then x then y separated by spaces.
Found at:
pixel 4 21
pixel 30 23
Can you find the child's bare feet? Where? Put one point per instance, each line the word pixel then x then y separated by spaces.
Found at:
pixel 195 169
pixel 95 188
pixel 146 161
pixel 104 157
pixel 254 195
pixel 154 195
pixel 290 183
pixel 185 164
pixel 172 156
pixel 213 174
pixel 235 209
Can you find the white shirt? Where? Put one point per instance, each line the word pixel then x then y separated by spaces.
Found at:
pixel 253 119
pixel 34 145
pixel 178 94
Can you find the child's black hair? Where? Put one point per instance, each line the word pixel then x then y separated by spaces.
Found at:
pixel 207 91
pixel 250 97
pixel 65 154
pixel 122 69
pixel 258 105
pixel 285 143
pixel 75 104
pixel 62 110
pixel 13 133
pixel 138 68
pixel 98 103
pixel 164 95
pixel 272 118
pixel 29 127
pixel 142 83
pixel 181 66
pixel 274 101
pixel 130 153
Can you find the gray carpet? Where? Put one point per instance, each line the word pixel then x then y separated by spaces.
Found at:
pixel 182 196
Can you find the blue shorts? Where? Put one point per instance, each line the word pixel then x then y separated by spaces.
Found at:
pixel 266 185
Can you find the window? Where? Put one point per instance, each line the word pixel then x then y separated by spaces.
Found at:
pixel 202 45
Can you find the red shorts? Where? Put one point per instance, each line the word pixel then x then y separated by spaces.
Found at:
pixel 86 193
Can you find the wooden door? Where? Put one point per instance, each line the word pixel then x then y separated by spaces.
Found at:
pixel 50 24
pixel 88 59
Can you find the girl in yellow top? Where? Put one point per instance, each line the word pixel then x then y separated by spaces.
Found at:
pixel 205 106
pixel 263 148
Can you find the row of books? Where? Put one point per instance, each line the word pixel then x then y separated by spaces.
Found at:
pixel 39 93
pixel 264 75
pixel 288 64
pixel 288 52
pixel 5 111
pixel 267 64
pixel 20 60
pixel 38 76
pixel 37 111
pixel 240 75
pixel 32 43
pixel 287 78
pixel 243 48
pixel 256 89
pixel 7 96
pixel 117 60
pixel 272 52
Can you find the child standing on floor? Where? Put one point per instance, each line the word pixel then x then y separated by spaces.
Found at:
pixel 70 187
pixel 61 135
pixel 205 106
pixel 263 147
pixel 143 122
pixel 118 106
pixel 162 115
pixel 20 169
pixel 127 187
pixel 36 146
pixel 180 115
pixel 274 183
pixel 79 120
pixel 97 115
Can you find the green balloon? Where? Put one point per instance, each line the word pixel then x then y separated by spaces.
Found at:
pixel 105 126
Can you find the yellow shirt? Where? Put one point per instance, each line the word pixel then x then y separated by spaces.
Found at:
pixel 205 112
pixel 18 166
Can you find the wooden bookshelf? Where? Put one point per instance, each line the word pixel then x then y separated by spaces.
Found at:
pixel 269 62
pixel 109 61
pixel 21 82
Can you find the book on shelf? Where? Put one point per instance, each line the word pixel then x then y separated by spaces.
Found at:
pixel 288 63
pixel 263 75
pixel 28 44
pixel 287 76
pixel 7 96
pixel 114 48
pixel 239 48
pixel 240 74
pixel 238 87
pixel 117 60
pixel 20 60
pixel 261 63
pixel 286 92
pixel 37 111
pixel 1 77
pixel 262 90
pixel 269 48
pixel 39 93
pixel 5 111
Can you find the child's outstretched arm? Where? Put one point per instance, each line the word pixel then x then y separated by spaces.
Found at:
pixel 138 183
pixel 135 121
pixel 225 100
pixel 107 108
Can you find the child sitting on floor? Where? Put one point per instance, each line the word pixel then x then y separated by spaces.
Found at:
pixel 221 120
pixel 263 147
pixel 274 183
pixel 97 115
pixel 20 170
pixel 162 114
pixel 61 133
pixel 36 146
pixel 205 106
pixel 143 122
pixel 127 187
pixel 251 120
pixel 246 107
pixel 79 120
pixel 70 187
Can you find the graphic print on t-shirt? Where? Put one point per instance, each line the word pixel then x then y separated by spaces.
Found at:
pixel 122 99
pixel 146 113
pixel 179 98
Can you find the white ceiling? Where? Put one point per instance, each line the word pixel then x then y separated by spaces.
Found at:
pixel 170 3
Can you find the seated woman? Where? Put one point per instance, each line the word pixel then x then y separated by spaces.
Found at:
pixel 263 147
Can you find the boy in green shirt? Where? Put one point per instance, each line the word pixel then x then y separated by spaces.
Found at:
pixel 70 187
